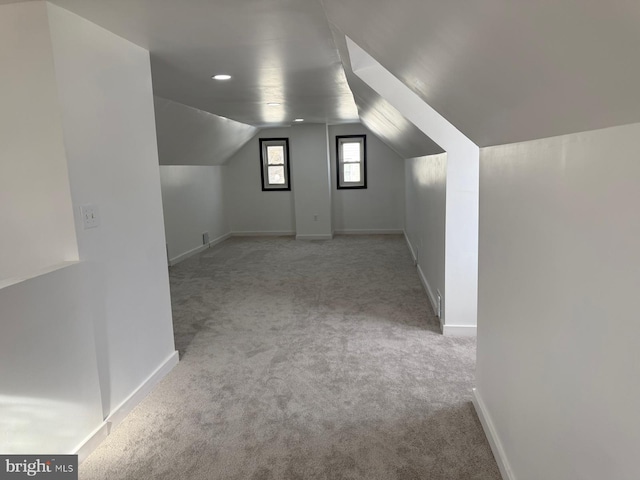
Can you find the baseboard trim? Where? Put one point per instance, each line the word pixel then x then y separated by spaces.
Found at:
pixel 427 288
pixel 368 232
pixel 190 253
pixel 263 234
pixel 194 251
pixel 492 437
pixel 220 239
pixel 411 250
pixel 92 442
pixel 327 236
pixel 459 330
pixel 121 411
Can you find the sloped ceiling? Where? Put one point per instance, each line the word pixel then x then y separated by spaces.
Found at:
pixel 503 71
pixel 188 136
pixel 380 117
pixel 276 51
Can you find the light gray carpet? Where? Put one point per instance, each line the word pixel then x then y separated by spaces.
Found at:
pixel 304 360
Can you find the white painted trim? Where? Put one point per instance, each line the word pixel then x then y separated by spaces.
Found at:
pixel 492 436
pixel 37 273
pixel 262 234
pixel 368 232
pixel 411 250
pixel 190 253
pixel 194 251
pixel 459 330
pixel 220 239
pixel 121 411
pixel 327 236
pixel 427 288
pixel 92 442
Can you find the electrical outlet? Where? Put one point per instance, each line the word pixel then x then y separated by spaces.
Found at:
pixel 205 238
pixel 439 305
pixel 90 218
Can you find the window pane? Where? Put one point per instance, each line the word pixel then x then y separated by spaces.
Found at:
pixel 275 155
pixel 351 152
pixel 276 176
pixel 352 172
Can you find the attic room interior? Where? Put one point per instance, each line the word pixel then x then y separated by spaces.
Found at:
pixel 321 238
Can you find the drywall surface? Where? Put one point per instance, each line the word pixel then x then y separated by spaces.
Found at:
pixel 558 333
pixel 249 209
pixel 379 207
pixel 311 182
pixel 104 85
pixel 461 263
pixel 188 136
pixel 425 218
pixel 35 201
pixel 193 203
pixel 50 398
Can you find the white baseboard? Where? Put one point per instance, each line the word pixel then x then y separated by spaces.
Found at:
pixel 263 234
pixel 194 251
pixel 190 253
pixel 327 236
pixel 413 252
pixel 121 411
pixel 220 239
pixel 459 330
pixel 368 232
pixel 425 284
pixel 92 442
pixel 492 436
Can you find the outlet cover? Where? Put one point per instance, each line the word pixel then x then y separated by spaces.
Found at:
pixel 90 217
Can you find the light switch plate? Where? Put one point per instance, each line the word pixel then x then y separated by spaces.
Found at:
pixel 90 218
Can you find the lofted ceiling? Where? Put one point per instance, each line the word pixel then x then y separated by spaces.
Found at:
pixel 501 71
pixel 504 71
pixel 277 51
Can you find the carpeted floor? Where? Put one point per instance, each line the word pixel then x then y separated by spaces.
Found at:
pixel 304 360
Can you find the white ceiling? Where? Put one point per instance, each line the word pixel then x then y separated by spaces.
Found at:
pixel 276 50
pixel 188 136
pixel 500 70
pixel 503 71
pixel 379 116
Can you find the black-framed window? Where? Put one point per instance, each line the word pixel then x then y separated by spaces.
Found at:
pixel 274 164
pixel 351 161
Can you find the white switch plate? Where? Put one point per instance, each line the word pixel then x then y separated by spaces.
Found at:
pixel 90 218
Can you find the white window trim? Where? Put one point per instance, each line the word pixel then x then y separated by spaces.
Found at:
pixel 264 164
pixel 340 140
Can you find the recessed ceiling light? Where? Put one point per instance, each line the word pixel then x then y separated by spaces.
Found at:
pixel 222 76
pixel 273 104
pixel 299 120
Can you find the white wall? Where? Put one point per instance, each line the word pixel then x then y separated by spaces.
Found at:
pixel 461 237
pixel 33 166
pixel 249 209
pixel 310 181
pixel 188 136
pixel 50 396
pixel 104 85
pixel 379 207
pixel 425 218
pixel 193 203
pixel 558 338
